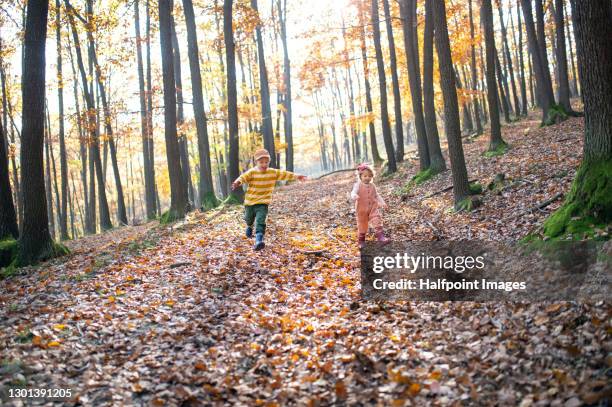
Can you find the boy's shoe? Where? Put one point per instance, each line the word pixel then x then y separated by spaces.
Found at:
pixel 249 231
pixel 259 243
pixel 380 236
pixel 361 239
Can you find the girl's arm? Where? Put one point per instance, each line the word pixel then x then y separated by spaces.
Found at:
pixel 355 192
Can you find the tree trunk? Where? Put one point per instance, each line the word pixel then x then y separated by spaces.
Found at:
pixel 540 64
pixel 266 111
pixel 503 96
pixel 571 51
pixel 288 112
pixel 474 72
pixel 461 188
pixel 508 59
pixel 8 217
pixel 486 20
pixel 35 242
pixel 436 160
pixel 588 204
pixel 206 191
pixel 48 188
pixel 409 23
pixel 561 56
pixel 60 96
pixel 144 123
pixel 94 147
pixel 384 113
pixel 366 72
pixel 151 144
pixel 178 189
pixel 232 98
pixel 397 101
pixel 183 148
pixel 521 61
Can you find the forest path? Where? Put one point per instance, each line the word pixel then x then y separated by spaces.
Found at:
pixel 190 314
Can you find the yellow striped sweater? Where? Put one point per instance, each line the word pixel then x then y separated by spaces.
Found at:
pixel 261 184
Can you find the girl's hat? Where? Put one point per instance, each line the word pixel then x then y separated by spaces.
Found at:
pixel 364 166
pixel 261 153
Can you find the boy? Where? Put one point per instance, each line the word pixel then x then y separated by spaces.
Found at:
pixel 261 181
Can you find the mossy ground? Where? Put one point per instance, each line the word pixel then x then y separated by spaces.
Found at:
pixel 168 217
pixel 501 149
pixel 209 202
pixel 556 114
pixel 588 207
pixel 10 260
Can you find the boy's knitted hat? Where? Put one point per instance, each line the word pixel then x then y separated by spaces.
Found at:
pixel 260 153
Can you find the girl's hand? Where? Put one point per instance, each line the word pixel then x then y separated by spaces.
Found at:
pixel 301 177
pixel 235 184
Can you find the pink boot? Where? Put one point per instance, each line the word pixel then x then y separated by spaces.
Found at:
pixel 361 238
pixel 380 236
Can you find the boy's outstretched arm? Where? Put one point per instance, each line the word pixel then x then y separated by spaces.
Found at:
pixel 283 175
pixel 244 178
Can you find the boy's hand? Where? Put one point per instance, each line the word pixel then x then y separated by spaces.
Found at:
pixel 355 197
pixel 301 177
pixel 235 184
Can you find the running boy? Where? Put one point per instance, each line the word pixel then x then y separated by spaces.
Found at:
pixel 261 180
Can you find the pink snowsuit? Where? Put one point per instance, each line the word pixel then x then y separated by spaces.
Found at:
pixel 367 202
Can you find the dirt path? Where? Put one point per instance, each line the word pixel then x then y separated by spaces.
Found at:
pixel 190 315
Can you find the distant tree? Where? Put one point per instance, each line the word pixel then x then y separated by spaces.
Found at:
pixel 486 20
pixel 474 72
pixel 397 101
pixel 384 112
pixel 236 195
pixel 207 198
pixel 436 160
pixel 461 188
pixel 8 218
pixel 409 28
pixel 561 57
pixel 589 202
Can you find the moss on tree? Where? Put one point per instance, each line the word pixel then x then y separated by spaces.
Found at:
pixel 588 205
pixel 496 151
pixel 209 201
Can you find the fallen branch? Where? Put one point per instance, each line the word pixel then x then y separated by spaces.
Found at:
pixel 541 205
pixel 334 172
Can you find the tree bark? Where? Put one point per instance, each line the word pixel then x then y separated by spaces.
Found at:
pixel 409 23
pixel 178 189
pixel 461 189
pixel 436 160
pixel 508 58
pixel 384 113
pixel 206 191
pixel 35 242
pixel 521 61
pixel 288 113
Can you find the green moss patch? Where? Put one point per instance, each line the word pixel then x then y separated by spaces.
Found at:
pixel 467 204
pixel 475 188
pixel 210 201
pixel 501 149
pixel 588 207
pixel 556 114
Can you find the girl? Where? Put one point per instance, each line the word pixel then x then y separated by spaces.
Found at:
pixel 367 204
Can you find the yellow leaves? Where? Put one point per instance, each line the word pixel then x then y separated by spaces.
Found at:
pixel 199 366
pixel 119 292
pixel 37 341
pixel 395 338
pixel 59 327
pixel 111 299
pixel 53 344
pixel 435 375
pixel 169 303
pixel 347 358
pixel 414 389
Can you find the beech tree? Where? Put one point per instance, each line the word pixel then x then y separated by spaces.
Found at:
pixel 589 202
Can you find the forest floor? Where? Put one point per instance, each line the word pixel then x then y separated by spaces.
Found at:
pixel 189 314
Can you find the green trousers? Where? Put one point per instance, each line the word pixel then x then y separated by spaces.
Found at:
pixel 256 213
